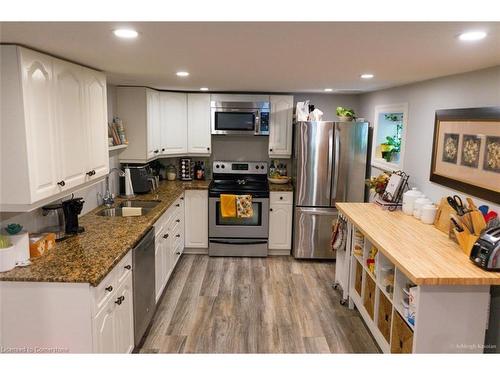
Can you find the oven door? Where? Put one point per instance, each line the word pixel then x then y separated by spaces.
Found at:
pixel 224 227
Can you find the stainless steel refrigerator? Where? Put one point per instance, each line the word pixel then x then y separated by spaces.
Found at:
pixel 329 166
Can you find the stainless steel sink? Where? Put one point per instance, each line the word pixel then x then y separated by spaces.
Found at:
pixel 117 211
pixel 139 203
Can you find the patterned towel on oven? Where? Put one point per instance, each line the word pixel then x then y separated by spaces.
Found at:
pixel 244 207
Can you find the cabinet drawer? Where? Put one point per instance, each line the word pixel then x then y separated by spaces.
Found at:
pixel 384 316
pixel 104 291
pixel 369 297
pixel 402 336
pixel 123 268
pixel 285 197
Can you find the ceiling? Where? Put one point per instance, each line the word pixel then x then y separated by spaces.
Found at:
pixel 269 57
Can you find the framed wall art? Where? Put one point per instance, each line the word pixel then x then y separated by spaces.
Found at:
pixel 466 151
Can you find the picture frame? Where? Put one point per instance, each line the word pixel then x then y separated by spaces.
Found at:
pixel 466 151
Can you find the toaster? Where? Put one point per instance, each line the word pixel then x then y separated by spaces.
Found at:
pixel 486 251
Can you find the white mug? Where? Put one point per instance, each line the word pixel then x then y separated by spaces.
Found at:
pixel 428 213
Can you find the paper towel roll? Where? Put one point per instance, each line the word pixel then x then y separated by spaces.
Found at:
pixel 129 190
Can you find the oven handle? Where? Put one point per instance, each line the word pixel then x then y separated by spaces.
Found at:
pixel 239 242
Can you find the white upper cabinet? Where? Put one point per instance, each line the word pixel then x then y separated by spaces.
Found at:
pixel 199 133
pixel 96 119
pixel 72 137
pixel 173 109
pixel 39 111
pixel 153 123
pixel 281 126
pixel 53 126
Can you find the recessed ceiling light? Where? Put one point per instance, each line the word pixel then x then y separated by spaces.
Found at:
pixel 126 33
pixel 328 90
pixel 367 75
pixel 472 36
pixel 203 88
pixel 182 74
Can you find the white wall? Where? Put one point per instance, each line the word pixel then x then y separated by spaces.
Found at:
pixel 34 221
pixel 474 89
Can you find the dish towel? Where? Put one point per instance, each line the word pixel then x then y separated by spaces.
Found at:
pixel 228 205
pixel 244 207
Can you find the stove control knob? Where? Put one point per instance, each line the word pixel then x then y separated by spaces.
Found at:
pixel 256 167
pixel 217 165
pixel 223 166
pixel 261 167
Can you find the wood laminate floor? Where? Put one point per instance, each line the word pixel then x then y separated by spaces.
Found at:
pixel 254 305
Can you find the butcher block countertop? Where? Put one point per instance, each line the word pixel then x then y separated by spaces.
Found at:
pixel 91 255
pixel 423 253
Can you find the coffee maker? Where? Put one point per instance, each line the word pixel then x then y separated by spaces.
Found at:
pixel 66 216
pixel 72 208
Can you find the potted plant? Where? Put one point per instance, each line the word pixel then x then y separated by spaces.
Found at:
pixel 345 114
pixel 391 148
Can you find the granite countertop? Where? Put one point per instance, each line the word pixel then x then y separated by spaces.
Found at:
pixel 91 255
pixel 281 187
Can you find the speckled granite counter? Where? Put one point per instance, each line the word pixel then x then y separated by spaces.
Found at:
pixel 90 256
pixel 281 187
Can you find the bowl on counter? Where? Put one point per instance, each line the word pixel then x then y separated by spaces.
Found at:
pixel 282 180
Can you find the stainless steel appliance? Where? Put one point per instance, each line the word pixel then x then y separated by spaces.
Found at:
pixel 143 258
pixel 486 251
pixel 230 236
pixel 241 118
pixel 139 174
pixel 72 208
pixel 329 166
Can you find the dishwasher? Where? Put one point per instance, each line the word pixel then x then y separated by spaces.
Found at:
pixel 143 258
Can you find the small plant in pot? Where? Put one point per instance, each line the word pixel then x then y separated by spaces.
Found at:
pixel 345 114
pixel 390 148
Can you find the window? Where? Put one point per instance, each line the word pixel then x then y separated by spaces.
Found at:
pixel 388 136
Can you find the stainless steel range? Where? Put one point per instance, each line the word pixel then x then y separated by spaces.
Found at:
pixel 233 236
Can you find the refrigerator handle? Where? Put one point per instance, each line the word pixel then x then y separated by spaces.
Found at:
pixel 331 134
pixel 336 164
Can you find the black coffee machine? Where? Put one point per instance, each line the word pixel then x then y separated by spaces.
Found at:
pixel 72 208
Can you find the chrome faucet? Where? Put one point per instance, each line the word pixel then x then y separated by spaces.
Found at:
pixel 107 199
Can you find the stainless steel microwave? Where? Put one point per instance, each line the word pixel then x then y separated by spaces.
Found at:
pixel 240 118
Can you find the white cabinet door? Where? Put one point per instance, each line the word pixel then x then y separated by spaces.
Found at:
pixel 196 218
pixel 199 133
pixel 153 123
pixel 39 111
pixel 124 316
pixel 173 123
pixel 280 126
pixel 280 226
pixel 96 116
pixel 105 330
pixel 71 135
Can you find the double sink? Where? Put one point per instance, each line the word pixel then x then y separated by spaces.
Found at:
pixel 146 207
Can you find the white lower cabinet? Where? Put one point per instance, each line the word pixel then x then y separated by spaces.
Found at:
pixel 113 324
pixel 169 233
pixel 280 220
pixel 196 219
pixel 70 317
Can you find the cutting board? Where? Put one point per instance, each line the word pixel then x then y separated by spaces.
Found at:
pixel 442 220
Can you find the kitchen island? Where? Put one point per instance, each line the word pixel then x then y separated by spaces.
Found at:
pixel 414 287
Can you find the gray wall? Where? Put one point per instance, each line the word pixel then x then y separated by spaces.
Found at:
pixel 474 89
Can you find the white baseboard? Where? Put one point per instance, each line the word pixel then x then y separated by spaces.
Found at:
pixel 193 250
pixel 279 252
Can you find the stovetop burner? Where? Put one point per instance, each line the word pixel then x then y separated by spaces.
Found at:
pixel 239 178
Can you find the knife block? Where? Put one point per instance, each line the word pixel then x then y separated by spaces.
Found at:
pixel 465 240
